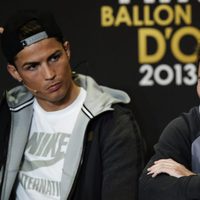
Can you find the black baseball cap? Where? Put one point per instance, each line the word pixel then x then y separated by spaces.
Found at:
pixel 11 42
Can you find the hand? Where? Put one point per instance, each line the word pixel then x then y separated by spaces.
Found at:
pixel 169 167
pixel 1 29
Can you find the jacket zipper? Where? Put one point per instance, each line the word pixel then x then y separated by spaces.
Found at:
pixel 78 170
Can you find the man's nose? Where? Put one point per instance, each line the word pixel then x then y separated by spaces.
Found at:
pixel 48 72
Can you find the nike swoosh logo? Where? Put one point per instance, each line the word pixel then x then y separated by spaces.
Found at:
pixel 36 164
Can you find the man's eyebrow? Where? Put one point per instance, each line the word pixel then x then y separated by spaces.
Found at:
pixel 55 52
pixel 30 63
pixel 35 62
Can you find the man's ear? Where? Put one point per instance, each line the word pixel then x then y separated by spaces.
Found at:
pixel 67 48
pixel 13 72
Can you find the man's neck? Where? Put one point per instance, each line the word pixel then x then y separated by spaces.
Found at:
pixel 71 95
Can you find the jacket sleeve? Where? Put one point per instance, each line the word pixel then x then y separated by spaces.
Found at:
pixel 122 157
pixel 175 142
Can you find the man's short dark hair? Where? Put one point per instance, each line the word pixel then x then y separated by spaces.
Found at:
pixel 26 27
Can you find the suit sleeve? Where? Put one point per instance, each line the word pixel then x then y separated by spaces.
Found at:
pixel 175 143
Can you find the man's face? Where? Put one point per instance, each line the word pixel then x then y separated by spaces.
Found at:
pixel 45 70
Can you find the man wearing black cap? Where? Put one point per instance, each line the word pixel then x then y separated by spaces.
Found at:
pixel 63 136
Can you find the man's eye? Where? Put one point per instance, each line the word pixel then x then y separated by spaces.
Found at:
pixel 31 67
pixel 55 57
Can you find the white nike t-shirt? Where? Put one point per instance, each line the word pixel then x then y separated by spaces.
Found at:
pixel 41 169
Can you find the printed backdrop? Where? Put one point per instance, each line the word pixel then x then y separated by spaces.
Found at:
pixel 145 47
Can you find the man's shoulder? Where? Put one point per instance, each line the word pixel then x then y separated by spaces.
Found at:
pixel 191 116
pixel 119 122
pixel 120 113
pixel 192 119
pixel 18 96
pixel 187 124
pixel 192 113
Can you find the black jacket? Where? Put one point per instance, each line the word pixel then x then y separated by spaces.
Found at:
pixel 180 141
pixel 112 155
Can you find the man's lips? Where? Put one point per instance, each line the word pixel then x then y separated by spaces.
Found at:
pixel 54 87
